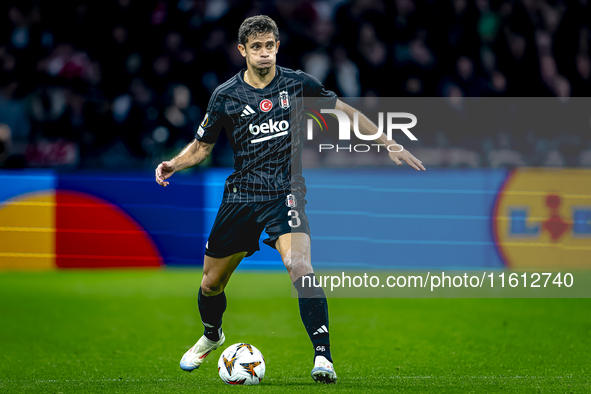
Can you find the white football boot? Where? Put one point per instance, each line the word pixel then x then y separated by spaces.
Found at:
pixel 195 356
pixel 323 371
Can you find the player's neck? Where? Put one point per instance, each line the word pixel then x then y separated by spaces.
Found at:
pixel 257 80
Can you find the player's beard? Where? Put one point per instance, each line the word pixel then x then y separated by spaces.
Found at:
pixel 263 71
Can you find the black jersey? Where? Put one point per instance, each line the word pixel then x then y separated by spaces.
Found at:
pixel 265 130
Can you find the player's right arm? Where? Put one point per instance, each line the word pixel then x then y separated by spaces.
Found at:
pixel 193 154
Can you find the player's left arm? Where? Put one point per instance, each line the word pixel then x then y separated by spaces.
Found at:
pixel 367 127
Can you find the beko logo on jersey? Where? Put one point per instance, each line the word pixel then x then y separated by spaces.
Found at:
pixel 270 127
pixel 275 129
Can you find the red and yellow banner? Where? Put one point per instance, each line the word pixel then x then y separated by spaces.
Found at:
pixel 68 229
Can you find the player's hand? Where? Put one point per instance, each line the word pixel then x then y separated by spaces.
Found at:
pixel 407 157
pixel 165 171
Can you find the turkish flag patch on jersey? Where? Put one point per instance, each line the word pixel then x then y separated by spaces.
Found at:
pixel 266 105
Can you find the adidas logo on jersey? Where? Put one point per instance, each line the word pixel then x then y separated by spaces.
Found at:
pixel 247 111
pixel 321 330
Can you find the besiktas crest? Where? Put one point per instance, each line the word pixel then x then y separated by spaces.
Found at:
pixel 284 99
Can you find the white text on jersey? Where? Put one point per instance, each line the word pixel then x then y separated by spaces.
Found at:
pixel 273 128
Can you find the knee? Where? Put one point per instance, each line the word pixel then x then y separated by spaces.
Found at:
pixel 211 288
pixel 297 263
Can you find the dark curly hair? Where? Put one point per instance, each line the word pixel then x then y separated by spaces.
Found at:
pixel 255 25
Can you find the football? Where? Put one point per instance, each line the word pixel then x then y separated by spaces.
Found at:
pixel 241 363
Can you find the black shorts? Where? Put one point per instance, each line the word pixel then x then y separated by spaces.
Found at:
pixel 238 226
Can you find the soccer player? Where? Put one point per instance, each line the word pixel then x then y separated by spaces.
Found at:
pixel 261 110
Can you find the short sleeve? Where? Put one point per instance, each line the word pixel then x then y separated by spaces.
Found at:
pixel 316 95
pixel 215 119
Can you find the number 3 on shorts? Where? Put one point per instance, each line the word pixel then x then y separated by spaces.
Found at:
pixel 295 220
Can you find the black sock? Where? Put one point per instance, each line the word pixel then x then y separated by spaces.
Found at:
pixel 211 309
pixel 314 314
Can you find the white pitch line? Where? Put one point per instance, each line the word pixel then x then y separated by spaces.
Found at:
pixel 288 378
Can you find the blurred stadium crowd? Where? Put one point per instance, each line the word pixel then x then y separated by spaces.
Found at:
pixel 122 84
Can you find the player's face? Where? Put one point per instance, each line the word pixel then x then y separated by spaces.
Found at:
pixel 260 52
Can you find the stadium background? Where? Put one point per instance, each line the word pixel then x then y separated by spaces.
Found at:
pixel 94 94
pixel 118 87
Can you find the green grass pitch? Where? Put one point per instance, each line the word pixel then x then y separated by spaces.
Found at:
pixel 125 331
